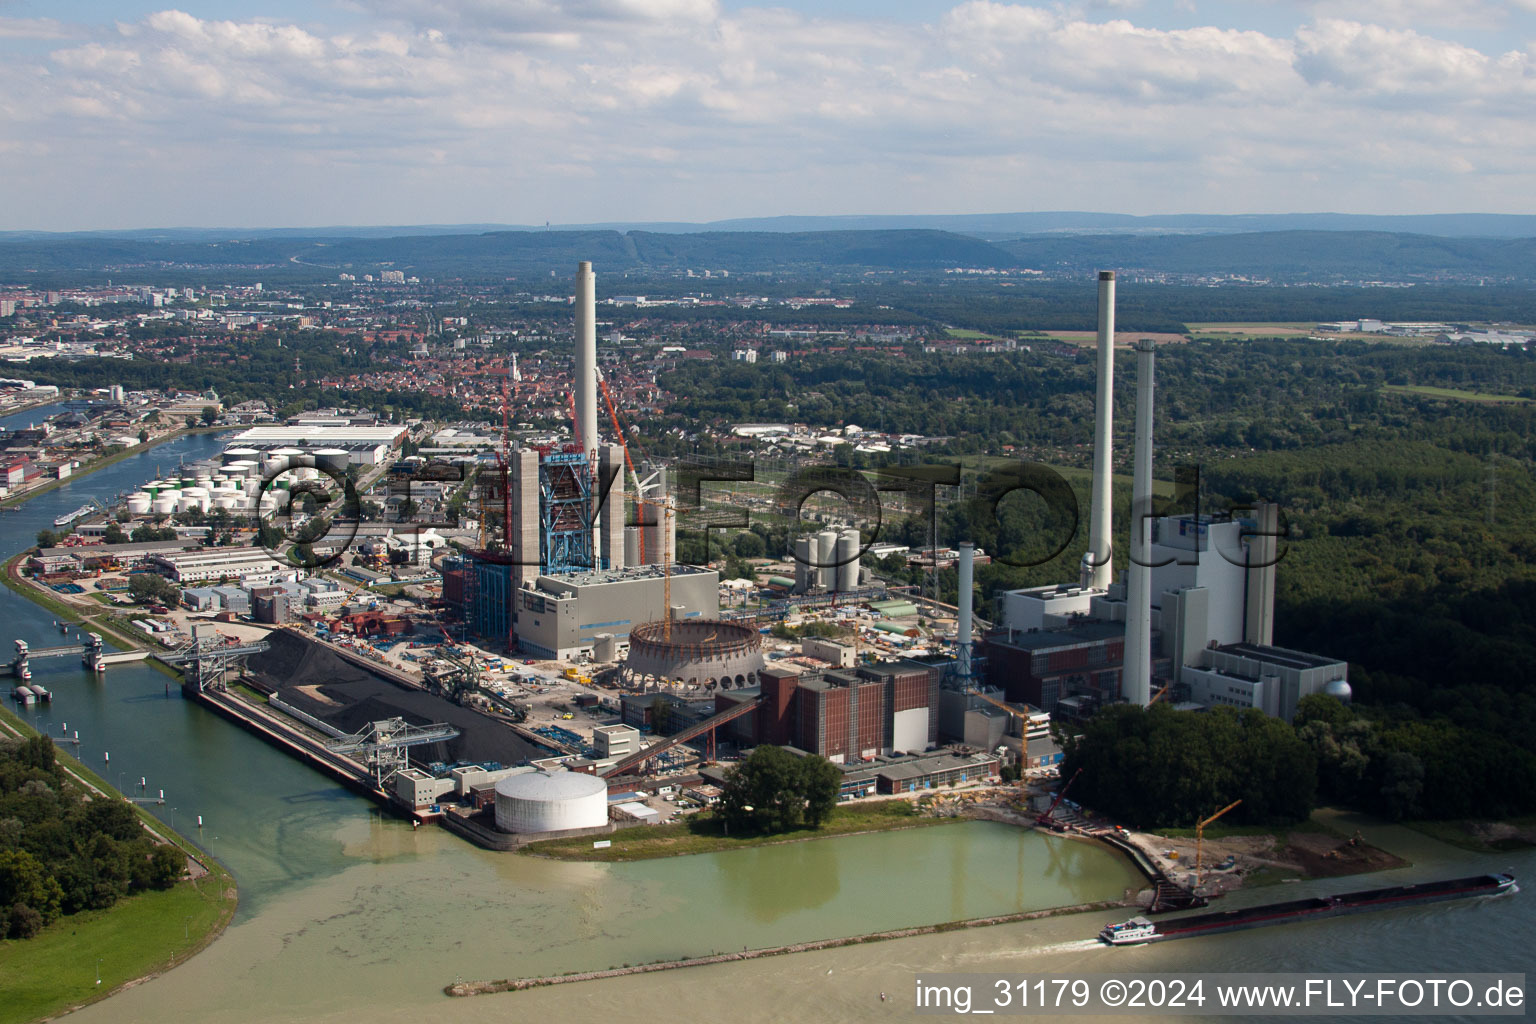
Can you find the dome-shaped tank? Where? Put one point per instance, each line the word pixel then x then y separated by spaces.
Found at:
pixel 1340 689
pixel 550 801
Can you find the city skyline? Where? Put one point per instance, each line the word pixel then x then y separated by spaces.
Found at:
pixel 416 111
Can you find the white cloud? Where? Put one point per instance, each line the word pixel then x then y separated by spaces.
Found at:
pixel 32 28
pixel 677 109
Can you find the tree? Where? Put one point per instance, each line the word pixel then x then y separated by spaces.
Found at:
pixel 147 588
pixel 820 783
pixel 209 415
pixel 47 538
pixel 773 791
pixel 143 435
pixel 114 534
pixel 28 892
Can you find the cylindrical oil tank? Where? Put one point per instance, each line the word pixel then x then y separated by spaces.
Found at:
pixel 848 560
pixel 333 459
pixel 826 554
pixel 163 505
pixel 550 801
pixel 139 502
pixel 233 455
pixel 605 647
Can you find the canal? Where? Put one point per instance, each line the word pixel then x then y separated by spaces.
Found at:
pixel 347 913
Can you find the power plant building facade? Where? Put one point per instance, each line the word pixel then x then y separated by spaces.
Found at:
pixel 844 716
pixel 561 616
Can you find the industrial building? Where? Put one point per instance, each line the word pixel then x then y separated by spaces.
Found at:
pixel 844 716
pixel 215 563
pixel 562 616
pixel 1272 679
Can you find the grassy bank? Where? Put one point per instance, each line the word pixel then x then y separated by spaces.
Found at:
pixel 704 834
pixel 142 935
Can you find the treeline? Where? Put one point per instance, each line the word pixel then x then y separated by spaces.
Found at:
pixel 1160 768
pixel 61 852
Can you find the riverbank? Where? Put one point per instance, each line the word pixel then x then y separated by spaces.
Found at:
pixel 85 957
pixel 1245 856
pixel 12 579
pixel 480 988
pixel 705 834
pixel 104 461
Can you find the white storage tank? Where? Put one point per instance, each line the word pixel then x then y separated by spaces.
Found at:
pixel 139 502
pixel 234 455
pixel 550 801
pixel 164 506
pixel 826 555
pixel 333 459
pixel 848 560
pixel 605 647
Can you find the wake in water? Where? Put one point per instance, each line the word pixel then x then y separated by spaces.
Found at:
pixel 1075 946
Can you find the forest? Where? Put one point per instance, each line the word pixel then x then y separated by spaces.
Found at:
pixel 62 851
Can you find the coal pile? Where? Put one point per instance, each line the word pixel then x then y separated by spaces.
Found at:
pixel 311 677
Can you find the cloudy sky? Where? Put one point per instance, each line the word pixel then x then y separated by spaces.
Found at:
pixel 322 112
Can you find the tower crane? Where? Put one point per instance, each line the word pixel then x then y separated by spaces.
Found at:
pixel 1200 835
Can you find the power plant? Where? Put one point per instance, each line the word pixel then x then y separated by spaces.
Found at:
pixel 1191 619
pixel 564 515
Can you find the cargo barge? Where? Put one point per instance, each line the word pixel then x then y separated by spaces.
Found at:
pixel 1139 930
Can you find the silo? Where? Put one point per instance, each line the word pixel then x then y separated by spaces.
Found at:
pixel 848 560
pixel 605 647
pixel 826 558
pixel 805 554
pixel 631 545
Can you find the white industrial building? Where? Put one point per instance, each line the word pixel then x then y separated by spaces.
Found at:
pixel 1272 679
pixel 216 563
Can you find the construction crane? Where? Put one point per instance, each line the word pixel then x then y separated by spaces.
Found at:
pixel 1046 819
pixel 1200 836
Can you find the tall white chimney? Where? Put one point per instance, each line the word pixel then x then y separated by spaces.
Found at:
pixel 1136 678
pixel 1097 570
pixel 963 621
pixel 585 383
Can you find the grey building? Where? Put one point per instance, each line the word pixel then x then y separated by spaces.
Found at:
pixel 561 616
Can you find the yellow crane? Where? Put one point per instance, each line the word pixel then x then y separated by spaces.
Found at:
pixel 1200 836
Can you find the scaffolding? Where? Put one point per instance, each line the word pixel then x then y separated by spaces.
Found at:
pixel 565 514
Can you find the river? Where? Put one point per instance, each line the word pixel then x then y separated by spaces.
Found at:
pixel 347 913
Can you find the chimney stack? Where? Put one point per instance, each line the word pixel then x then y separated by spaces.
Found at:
pixel 585 383
pixel 1136 677
pixel 1097 570
pixel 963 621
